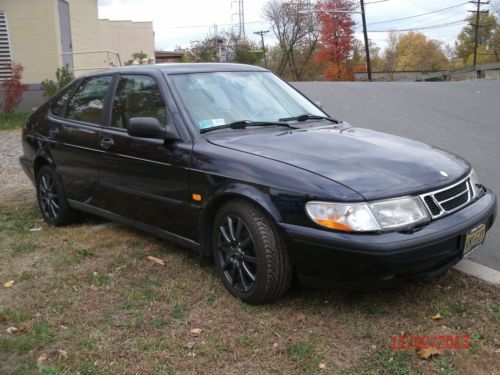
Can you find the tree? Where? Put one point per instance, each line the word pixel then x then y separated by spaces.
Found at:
pixel 337 30
pixel 230 46
pixel 337 38
pixel 415 52
pixel 139 58
pixel 390 55
pixel 486 36
pixel 63 77
pixel 495 7
pixel 357 60
pixel 295 26
pixel 13 88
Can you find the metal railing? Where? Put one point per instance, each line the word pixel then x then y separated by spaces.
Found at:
pixel 94 60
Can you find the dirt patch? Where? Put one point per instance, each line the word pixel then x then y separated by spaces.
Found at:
pixel 15 186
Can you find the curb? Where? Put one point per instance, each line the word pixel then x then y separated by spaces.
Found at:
pixel 478 270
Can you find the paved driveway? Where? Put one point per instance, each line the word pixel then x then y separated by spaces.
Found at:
pixel 462 117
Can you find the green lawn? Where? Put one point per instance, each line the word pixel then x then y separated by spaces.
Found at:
pixel 87 300
pixel 12 121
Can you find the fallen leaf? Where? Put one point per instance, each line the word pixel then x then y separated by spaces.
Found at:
pixel 437 316
pixel 8 284
pixel 59 353
pixel 196 331
pixel 156 260
pixel 301 317
pixel 426 353
pixel 322 366
pixel 42 358
pixel 11 330
pixel 17 330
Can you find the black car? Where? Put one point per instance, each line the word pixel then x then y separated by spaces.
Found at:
pixel 231 161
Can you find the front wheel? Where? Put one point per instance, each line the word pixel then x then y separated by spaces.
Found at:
pixel 249 254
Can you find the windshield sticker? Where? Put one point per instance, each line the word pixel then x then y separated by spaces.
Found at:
pixel 204 124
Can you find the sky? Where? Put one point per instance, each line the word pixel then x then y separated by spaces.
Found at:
pixel 179 22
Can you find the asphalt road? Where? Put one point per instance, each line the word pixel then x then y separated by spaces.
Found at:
pixel 462 117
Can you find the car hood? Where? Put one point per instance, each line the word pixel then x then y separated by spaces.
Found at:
pixel 374 164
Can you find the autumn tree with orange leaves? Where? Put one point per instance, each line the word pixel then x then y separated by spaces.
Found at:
pixel 336 37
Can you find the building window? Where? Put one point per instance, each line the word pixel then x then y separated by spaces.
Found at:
pixel 5 55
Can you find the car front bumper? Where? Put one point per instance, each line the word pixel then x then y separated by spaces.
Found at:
pixel 324 258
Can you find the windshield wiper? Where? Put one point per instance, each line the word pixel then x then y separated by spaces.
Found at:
pixel 307 116
pixel 245 123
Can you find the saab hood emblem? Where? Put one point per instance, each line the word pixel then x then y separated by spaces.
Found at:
pixel 443 173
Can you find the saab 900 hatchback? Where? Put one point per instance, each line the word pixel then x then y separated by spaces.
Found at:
pixel 233 162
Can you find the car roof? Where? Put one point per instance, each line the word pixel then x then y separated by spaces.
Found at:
pixel 182 68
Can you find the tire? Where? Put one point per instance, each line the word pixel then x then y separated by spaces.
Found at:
pixel 249 253
pixel 51 199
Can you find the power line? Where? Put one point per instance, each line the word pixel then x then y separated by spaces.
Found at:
pixel 419 15
pixel 438 26
pixel 376 2
pixel 205 26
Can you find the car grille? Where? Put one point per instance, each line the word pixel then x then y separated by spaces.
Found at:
pixel 445 201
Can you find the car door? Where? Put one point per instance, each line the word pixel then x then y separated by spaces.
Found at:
pixel 73 128
pixel 143 179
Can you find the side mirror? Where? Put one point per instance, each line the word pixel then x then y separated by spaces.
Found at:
pixel 149 127
pixel 318 104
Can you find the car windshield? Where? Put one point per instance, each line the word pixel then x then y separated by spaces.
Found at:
pixel 221 98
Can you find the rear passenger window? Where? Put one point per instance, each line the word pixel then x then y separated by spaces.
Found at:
pixel 137 96
pixel 87 103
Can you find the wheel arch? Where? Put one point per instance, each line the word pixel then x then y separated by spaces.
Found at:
pixel 40 161
pixel 217 200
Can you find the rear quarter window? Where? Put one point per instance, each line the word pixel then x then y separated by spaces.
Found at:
pixel 57 108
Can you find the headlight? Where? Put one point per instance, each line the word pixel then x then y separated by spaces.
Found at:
pixel 396 213
pixel 474 181
pixel 366 217
pixel 346 217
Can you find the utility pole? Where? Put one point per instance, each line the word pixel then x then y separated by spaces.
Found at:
pixel 477 26
pixel 367 47
pixel 261 33
pixel 241 17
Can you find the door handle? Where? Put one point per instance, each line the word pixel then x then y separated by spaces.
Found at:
pixel 107 143
pixel 53 132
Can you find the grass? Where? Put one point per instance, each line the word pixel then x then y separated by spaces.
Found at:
pixel 9 121
pixel 95 295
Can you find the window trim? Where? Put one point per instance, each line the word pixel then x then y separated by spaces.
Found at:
pixel 107 121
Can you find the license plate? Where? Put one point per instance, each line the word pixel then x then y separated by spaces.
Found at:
pixel 474 238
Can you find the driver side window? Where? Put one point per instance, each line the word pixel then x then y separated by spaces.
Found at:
pixel 137 96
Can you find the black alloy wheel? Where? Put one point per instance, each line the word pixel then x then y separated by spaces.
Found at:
pixel 51 199
pixel 236 250
pixel 249 253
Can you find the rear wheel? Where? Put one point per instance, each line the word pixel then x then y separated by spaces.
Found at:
pixel 51 200
pixel 249 253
